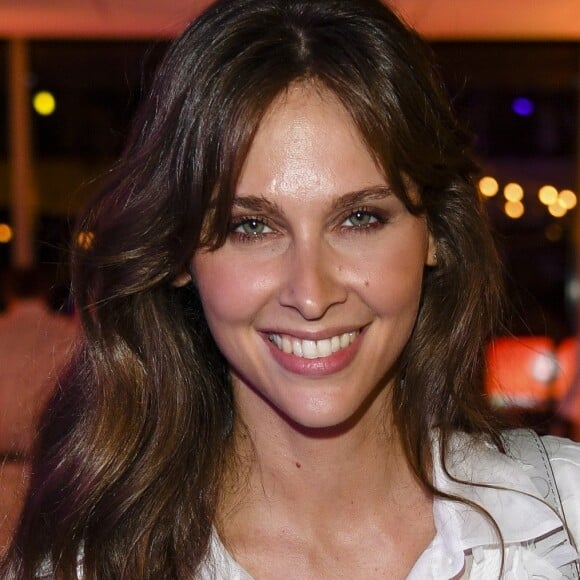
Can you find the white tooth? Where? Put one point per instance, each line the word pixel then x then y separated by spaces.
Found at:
pixel 278 340
pixel 297 347
pixel 309 349
pixel 344 340
pixel 286 344
pixel 324 347
pixel 352 336
pixel 335 343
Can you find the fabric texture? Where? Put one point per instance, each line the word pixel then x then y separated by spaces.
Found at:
pixel 466 545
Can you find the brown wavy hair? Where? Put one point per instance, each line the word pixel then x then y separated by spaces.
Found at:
pixel 131 453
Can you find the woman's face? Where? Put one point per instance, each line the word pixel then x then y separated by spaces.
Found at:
pixel 316 290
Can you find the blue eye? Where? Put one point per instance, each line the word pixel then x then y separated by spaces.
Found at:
pixel 360 219
pixel 251 227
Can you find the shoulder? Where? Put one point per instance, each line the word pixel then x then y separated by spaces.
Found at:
pixel 513 487
pixel 565 461
pixel 564 457
pixel 510 488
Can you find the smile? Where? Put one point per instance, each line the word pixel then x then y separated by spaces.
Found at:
pixel 312 348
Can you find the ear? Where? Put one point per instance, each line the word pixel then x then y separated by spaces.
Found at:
pixel 181 279
pixel 431 251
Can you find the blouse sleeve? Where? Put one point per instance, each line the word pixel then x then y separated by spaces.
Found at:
pixel 565 459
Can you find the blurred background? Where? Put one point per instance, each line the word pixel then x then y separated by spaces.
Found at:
pixel 72 73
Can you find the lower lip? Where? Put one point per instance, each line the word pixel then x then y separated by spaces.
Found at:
pixel 315 367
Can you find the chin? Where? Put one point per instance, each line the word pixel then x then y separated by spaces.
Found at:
pixel 326 418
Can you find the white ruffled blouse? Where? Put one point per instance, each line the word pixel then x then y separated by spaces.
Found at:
pixel 465 544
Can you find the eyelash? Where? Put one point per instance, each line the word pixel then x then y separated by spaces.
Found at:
pixel 379 218
pixel 248 238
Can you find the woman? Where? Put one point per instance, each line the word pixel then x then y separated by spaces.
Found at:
pixel 285 310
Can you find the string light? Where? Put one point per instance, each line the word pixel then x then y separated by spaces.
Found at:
pixel 558 204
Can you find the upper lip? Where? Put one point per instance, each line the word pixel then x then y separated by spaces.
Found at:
pixel 315 335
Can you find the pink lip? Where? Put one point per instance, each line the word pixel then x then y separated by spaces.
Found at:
pixel 316 367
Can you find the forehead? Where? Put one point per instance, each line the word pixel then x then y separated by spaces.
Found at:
pixel 307 143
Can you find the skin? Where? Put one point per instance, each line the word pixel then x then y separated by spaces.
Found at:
pixel 319 247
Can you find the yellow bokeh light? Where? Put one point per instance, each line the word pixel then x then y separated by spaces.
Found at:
pixel 567 199
pixel 557 210
pixel 548 194
pixel 488 186
pixel 44 103
pixel 513 192
pixel 85 240
pixel 514 209
pixel 5 233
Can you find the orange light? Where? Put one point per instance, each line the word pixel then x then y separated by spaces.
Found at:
pixel 557 210
pixel 520 370
pixel 488 186
pixel 85 240
pixel 514 209
pixel 567 199
pixel 6 233
pixel 513 192
pixel 567 364
pixel 548 194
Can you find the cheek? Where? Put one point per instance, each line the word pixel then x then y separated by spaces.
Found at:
pixel 396 295
pixel 230 290
pixel 391 277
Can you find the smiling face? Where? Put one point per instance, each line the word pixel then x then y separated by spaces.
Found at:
pixel 315 292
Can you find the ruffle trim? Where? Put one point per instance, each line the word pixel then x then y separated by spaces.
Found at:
pixel 535 545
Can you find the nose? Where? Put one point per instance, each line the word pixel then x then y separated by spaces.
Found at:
pixel 312 283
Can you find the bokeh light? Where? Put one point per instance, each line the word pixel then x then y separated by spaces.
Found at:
pixel 567 199
pixel 514 209
pixel 85 240
pixel 44 103
pixel 548 195
pixel 523 106
pixel 557 210
pixel 488 186
pixel 513 192
pixel 6 233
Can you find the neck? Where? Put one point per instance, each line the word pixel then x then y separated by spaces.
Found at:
pixel 312 478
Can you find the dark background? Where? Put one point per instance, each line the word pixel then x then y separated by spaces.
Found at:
pixel 98 85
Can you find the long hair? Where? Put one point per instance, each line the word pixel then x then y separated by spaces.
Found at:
pixel 132 445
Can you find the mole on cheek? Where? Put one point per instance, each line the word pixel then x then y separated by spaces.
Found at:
pixel 366 283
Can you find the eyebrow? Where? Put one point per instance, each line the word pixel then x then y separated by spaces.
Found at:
pixel 259 203
pixel 353 198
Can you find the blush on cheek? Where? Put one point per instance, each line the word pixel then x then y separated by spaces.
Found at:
pixel 231 290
